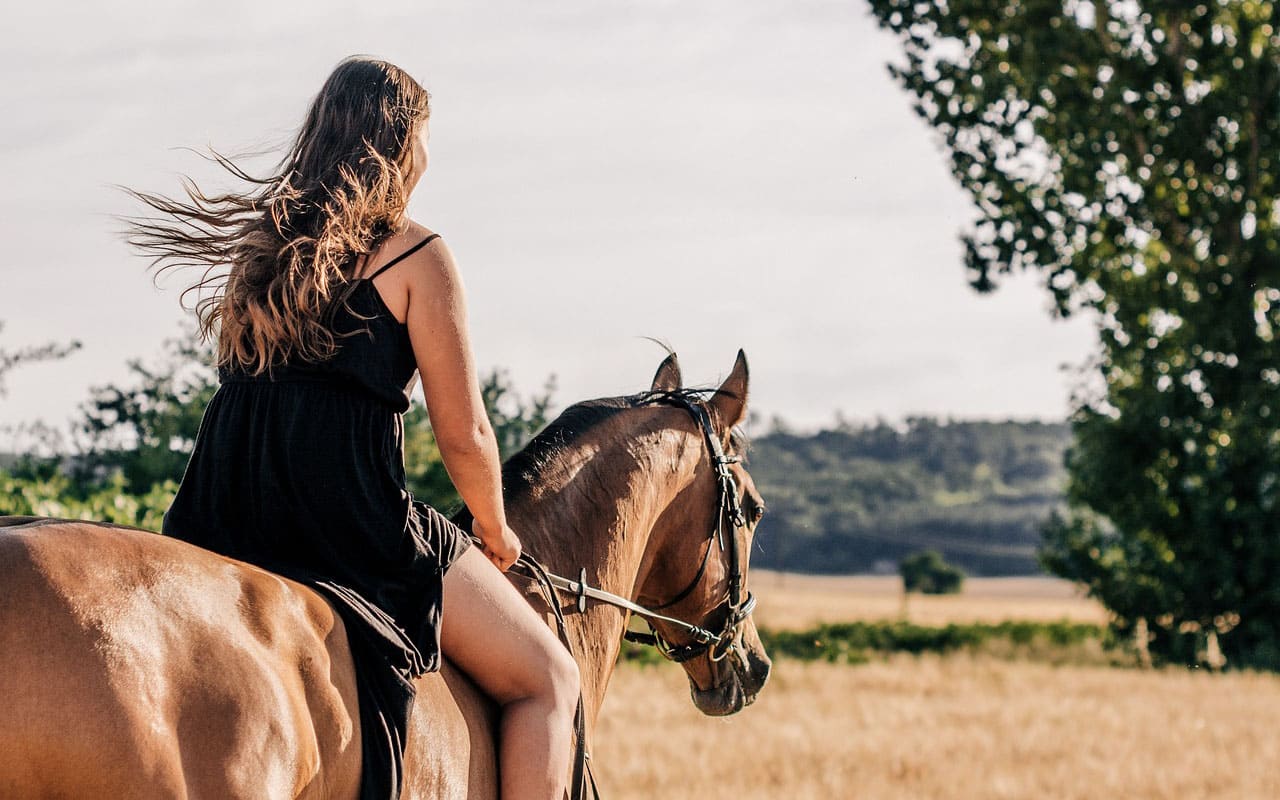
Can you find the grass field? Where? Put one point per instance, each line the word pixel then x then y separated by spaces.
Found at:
pixel 958 726
pixel 946 727
pixel 788 601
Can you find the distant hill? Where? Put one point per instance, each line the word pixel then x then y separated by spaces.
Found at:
pixel 859 498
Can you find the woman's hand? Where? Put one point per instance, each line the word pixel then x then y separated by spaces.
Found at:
pixel 501 545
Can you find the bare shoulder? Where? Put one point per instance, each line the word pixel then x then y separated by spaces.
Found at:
pixel 415 231
pixel 431 271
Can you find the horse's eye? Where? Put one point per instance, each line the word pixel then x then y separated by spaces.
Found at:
pixel 756 513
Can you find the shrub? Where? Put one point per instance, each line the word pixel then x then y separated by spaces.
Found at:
pixel 926 572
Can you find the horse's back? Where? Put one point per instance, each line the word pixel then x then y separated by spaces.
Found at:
pixel 137 665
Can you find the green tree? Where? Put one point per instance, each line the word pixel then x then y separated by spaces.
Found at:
pixel 927 573
pixel 54 495
pixel 146 428
pixel 856 498
pixel 1129 152
pixel 515 420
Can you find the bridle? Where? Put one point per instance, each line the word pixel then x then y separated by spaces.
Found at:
pixel 736 605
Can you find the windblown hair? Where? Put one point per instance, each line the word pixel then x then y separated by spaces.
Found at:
pixel 278 256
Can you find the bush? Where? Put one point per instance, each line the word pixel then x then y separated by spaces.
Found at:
pixel 55 495
pixel 855 642
pixel 926 572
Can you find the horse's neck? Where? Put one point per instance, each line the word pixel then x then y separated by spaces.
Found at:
pixel 600 520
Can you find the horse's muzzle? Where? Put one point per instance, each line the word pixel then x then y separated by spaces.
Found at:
pixel 747 672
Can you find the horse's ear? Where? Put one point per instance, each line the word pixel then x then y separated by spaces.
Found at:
pixel 667 378
pixel 730 400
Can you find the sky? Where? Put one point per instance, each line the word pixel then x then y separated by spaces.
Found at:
pixel 718 175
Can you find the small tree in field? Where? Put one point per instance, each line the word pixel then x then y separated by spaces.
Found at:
pixel 926 572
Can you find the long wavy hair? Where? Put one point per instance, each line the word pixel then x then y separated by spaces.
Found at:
pixel 278 256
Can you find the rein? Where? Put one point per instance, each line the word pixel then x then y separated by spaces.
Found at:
pixel 718 643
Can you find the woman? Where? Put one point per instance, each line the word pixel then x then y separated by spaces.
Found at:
pixel 331 303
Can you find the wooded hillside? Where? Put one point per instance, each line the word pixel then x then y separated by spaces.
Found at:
pixel 859 498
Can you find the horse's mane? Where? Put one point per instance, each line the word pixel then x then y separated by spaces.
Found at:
pixel 523 470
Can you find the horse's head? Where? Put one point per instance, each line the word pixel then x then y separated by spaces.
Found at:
pixel 700 548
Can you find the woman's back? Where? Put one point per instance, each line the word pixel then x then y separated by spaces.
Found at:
pixel 302 468
pixel 301 471
pixel 375 352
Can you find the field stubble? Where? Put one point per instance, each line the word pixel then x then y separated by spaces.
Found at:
pixel 946 727
pixel 788 601
pixel 958 726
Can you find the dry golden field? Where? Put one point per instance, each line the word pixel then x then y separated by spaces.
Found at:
pixel 946 727
pixel 800 601
pixel 958 726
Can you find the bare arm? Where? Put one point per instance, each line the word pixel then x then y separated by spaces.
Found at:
pixel 437 323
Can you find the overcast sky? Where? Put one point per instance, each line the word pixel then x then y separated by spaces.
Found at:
pixel 735 173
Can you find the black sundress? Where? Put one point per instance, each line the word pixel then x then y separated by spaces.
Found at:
pixel 302 472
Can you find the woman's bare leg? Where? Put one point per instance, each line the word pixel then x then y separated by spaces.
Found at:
pixel 491 633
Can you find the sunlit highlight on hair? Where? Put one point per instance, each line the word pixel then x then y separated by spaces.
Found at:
pixel 277 257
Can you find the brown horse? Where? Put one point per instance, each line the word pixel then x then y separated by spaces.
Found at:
pixel 137 666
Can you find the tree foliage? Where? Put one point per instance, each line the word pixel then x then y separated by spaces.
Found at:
pixel 138 434
pixel 145 429
pixel 54 494
pixel 36 439
pixel 1129 152
pixel 515 420
pixel 927 573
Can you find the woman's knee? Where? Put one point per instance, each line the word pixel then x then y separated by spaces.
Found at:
pixel 554 680
pixel 565 680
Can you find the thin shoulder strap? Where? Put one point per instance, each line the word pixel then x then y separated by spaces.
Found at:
pixel 402 256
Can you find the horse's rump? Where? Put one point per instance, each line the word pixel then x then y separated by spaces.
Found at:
pixel 137 665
